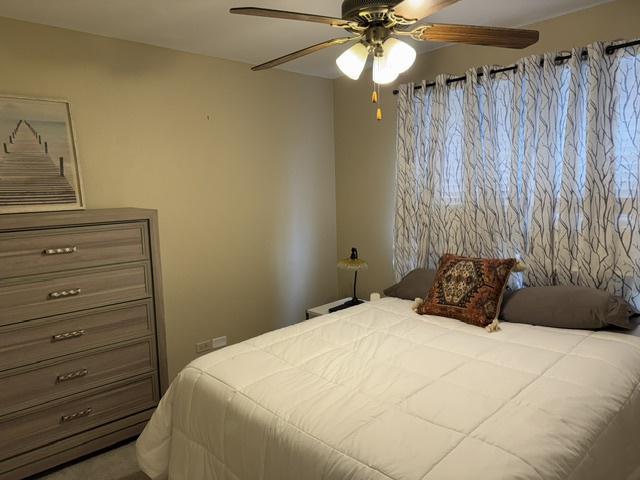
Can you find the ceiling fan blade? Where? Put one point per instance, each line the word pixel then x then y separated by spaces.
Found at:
pixel 305 17
pixel 303 52
pixel 475 35
pixel 418 9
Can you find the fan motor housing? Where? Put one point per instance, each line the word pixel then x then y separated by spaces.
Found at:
pixel 351 8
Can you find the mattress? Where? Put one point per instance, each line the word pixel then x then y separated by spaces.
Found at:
pixel 378 392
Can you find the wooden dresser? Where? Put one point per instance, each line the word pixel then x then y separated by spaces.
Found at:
pixel 82 357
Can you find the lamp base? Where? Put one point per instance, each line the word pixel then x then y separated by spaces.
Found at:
pixel 349 303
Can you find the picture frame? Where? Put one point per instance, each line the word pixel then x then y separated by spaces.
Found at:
pixel 39 165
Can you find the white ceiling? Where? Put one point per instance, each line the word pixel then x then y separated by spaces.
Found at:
pixel 206 27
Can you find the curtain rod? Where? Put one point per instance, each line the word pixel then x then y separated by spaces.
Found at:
pixel 558 60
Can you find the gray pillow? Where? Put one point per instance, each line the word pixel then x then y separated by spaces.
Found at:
pixel 565 307
pixel 415 284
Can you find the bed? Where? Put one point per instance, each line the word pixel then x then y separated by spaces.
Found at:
pixel 378 392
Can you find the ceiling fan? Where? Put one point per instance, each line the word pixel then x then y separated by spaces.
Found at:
pixel 375 24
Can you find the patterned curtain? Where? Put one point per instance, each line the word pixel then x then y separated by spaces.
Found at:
pixel 541 163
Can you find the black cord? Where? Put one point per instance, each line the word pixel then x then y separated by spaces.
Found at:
pixel 559 60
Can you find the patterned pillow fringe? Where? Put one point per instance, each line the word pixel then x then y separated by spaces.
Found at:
pixel 416 304
pixel 493 326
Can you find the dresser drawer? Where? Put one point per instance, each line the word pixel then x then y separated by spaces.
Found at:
pixel 26 387
pixel 29 430
pixel 37 340
pixel 52 250
pixel 28 298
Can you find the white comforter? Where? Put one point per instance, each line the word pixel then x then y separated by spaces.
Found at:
pixel 379 392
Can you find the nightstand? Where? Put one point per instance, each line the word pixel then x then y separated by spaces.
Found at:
pixel 324 309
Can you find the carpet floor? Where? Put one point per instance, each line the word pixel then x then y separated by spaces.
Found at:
pixel 115 464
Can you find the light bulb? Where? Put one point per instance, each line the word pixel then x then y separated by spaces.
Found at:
pixel 400 55
pixel 352 61
pixel 383 71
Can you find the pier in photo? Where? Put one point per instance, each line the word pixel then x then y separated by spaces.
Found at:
pixel 28 173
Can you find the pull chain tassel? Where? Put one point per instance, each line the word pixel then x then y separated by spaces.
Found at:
pixel 374 97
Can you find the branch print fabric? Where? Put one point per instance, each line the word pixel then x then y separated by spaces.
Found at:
pixel 541 164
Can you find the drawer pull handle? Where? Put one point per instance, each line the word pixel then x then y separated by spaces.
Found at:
pixel 60 250
pixel 72 375
pixel 65 293
pixel 82 413
pixel 67 335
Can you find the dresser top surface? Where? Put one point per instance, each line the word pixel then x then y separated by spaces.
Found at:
pixel 17 221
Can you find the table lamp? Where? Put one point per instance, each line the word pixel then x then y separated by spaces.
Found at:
pixel 356 264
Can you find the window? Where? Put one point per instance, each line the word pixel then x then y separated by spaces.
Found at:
pixel 541 163
pixel 451 188
pixel 626 127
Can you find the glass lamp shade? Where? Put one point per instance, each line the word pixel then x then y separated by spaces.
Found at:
pixel 400 55
pixel 352 61
pixel 383 71
pixel 352 264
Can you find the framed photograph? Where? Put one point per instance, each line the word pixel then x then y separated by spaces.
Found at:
pixel 39 168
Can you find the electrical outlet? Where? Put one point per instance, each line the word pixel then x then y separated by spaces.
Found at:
pixel 219 342
pixel 205 346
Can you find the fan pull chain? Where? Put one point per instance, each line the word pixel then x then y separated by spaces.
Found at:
pixel 376 99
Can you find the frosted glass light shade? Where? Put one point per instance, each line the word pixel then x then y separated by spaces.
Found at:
pixel 349 264
pixel 352 61
pixel 400 55
pixel 383 71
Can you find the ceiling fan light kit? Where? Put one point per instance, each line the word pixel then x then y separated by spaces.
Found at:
pixel 353 61
pixel 374 26
pixel 401 54
pixel 383 71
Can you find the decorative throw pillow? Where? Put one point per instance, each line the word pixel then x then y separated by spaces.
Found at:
pixel 468 289
pixel 413 285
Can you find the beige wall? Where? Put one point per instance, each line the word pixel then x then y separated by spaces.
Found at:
pixel 365 149
pixel 240 166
